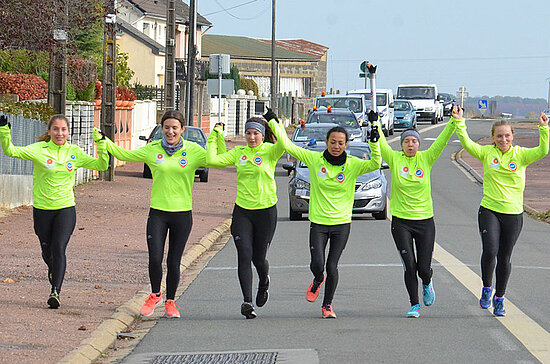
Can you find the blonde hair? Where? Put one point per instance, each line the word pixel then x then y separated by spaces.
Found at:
pixel 496 124
pixel 46 137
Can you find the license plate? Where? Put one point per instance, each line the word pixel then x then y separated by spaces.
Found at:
pixel 302 192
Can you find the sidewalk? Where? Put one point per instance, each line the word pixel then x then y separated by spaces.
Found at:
pixel 106 262
pixel 536 197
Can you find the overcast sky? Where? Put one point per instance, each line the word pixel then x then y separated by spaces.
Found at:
pixel 490 47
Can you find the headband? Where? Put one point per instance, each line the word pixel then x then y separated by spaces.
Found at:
pixel 254 125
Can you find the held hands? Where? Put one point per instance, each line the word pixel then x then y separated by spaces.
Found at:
pixel 373 116
pixel 543 119
pixel 457 112
pixel 4 121
pixel 98 135
pixel 269 115
pixel 374 134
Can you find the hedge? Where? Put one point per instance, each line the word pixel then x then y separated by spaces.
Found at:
pixel 27 87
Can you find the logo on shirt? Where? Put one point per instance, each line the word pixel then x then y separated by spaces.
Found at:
pixel 494 163
pixel 419 173
pixel 69 166
pixel 258 160
pixel 340 177
pixel 160 158
pixel 513 166
pixel 243 159
pixel 49 163
pixel 183 162
pixel 404 171
pixel 322 172
pixel 183 154
pixel 73 157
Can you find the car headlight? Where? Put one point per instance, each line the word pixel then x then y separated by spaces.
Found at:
pixel 429 109
pixel 407 116
pixel 301 184
pixel 372 185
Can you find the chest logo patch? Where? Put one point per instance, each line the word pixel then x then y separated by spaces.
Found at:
pixel 258 160
pixel 183 154
pixel 404 171
pixel 243 159
pixel 160 158
pixel 340 177
pixel 419 173
pixel 49 163
pixel 322 172
pixel 183 162
pixel 69 166
pixel 513 166
pixel 494 163
pixel 73 157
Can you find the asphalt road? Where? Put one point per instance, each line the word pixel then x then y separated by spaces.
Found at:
pixel 371 299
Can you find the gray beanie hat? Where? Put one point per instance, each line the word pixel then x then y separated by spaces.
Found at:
pixel 410 132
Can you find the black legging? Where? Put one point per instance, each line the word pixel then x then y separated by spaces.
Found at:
pixel 54 229
pixel 423 233
pixel 158 224
pixel 252 232
pixel 319 236
pixel 499 233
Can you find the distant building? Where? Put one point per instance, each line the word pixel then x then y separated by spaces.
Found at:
pixel 301 65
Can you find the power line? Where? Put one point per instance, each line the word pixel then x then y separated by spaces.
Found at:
pixel 445 59
pixel 233 7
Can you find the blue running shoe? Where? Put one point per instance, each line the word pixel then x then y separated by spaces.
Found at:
pixel 498 306
pixel 428 294
pixel 414 311
pixel 485 300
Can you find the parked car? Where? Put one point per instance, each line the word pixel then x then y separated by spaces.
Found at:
pixel 190 133
pixel 342 117
pixel 404 114
pixel 370 188
pixel 447 100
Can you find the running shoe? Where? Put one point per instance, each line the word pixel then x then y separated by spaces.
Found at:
pixel 53 300
pixel 327 311
pixel 263 294
pixel 428 294
pixel 498 306
pixel 150 304
pixel 313 290
pixel 485 300
pixel 247 310
pixel 172 309
pixel 414 311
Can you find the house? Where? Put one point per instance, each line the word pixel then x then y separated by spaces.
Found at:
pixel 141 32
pixel 301 64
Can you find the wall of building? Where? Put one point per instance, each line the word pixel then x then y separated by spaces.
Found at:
pixel 141 60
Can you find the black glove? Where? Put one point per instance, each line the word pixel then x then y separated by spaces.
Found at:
pixel 4 121
pixel 373 116
pixel 374 134
pixel 269 115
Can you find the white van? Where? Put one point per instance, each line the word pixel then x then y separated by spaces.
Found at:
pixel 425 100
pixel 384 106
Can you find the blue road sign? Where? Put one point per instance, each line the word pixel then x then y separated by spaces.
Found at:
pixel 482 104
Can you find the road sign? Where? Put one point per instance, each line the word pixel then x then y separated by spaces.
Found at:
pixel 482 104
pixel 212 87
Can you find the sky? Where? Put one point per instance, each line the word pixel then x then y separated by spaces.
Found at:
pixel 490 47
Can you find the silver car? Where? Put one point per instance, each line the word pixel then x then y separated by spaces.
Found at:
pixel 370 188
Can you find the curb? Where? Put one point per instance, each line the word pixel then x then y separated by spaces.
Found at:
pixel 458 158
pixel 105 334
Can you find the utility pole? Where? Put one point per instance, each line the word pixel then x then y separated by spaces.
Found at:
pixel 57 82
pixel 191 53
pixel 273 64
pixel 462 93
pixel 169 59
pixel 108 95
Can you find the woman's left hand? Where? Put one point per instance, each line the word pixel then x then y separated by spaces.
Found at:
pixel 457 112
pixel 543 119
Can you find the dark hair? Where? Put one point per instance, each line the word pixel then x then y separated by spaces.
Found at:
pixel 269 136
pixel 338 129
pixel 46 137
pixel 501 123
pixel 172 114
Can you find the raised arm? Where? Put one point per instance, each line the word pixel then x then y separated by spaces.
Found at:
pixel 471 147
pixel 99 164
pixel 531 155
pixel 7 146
pixel 122 154
pixel 216 154
pixel 435 150
pixel 297 152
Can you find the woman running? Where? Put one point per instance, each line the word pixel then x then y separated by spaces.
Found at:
pixel 55 163
pixel 411 208
pixel 333 174
pixel 500 215
pixel 173 162
pixel 255 211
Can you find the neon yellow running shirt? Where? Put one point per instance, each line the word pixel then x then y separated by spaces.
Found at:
pixel 332 188
pixel 503 174
pixel 54 168
pixel 411 191
pixel 256 187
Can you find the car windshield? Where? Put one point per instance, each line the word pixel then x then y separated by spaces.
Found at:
pixel 305 134
pixel 416 92
pixel 402 106
pixel 347 121
pixel 193 135
pixel 359 152
pixel 445 97
pixel 352 103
